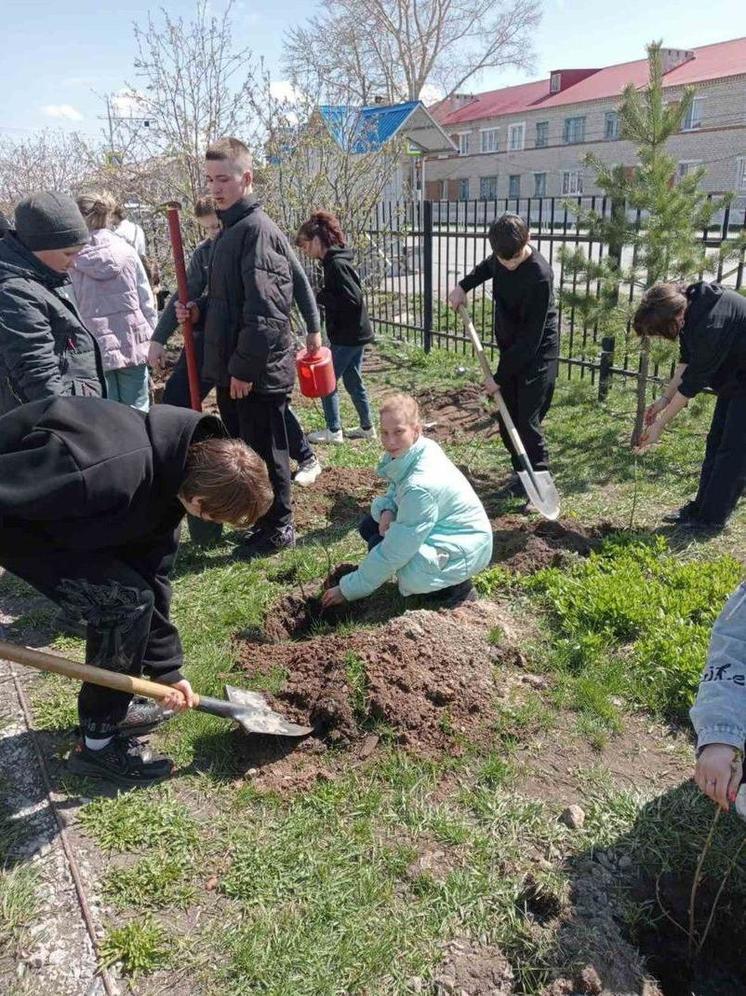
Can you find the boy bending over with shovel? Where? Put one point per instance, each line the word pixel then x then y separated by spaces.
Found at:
pixel 429 529
pixel 92 494
pixel 526 332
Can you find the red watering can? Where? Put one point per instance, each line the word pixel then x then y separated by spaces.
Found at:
pixel 316 373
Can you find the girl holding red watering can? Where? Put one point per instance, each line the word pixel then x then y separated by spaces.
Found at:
pixel 348 327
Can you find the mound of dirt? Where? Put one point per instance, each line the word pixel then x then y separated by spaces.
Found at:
pixel 340 496
pixel 462 411
pixel 425 677
pixel 471 969
pixel 527 545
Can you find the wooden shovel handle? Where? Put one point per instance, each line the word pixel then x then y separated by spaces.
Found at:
pixel 82 672
pixel 484 363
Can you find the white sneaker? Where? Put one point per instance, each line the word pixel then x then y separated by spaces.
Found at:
pixel 307 472
pixel 361 433
pixel 326 436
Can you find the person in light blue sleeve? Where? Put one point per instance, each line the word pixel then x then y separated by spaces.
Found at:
pixel 719 713
pixel 429 529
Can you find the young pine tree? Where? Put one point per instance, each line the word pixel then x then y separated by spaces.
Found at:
pixel 657 214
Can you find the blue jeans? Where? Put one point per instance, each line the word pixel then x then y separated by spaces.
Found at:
pixel 129 385
pixel 348 361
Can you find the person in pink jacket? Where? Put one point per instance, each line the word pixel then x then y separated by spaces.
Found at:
pixel 116 303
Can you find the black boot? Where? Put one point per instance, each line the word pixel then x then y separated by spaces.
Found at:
pixel 123 762
pixel 452 596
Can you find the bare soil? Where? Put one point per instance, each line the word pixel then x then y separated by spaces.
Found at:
pixel 461 412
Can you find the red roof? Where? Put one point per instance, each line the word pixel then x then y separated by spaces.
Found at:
pixel 710 62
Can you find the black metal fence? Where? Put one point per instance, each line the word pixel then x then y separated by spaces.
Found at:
pixel 414 253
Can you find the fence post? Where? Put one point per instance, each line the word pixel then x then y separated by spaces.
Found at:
pixel 607 361
pixel 427 266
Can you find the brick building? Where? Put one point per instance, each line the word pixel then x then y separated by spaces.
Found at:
pixel 530 140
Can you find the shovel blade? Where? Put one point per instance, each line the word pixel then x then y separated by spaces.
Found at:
pixel 255 716
pixel 541 492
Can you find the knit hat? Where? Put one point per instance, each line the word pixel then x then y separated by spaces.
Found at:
pixel 48 220
pixel 4 225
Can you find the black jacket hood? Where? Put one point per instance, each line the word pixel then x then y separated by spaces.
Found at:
pixel 702 298
pixel 338 252
pixel 18 261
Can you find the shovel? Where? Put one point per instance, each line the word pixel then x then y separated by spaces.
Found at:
pixel 537 484
pixel 248 709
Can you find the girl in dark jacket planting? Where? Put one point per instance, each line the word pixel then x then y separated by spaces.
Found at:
pixel 348 327
pixel 45 349
pixel 709 322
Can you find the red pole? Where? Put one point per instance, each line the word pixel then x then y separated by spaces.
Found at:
pixel 177 246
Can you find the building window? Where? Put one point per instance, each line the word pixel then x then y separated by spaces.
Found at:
pixel 611 125
pixel 514 185
pixel 540 185
pixel 542 134
pixel 685 167
pixel 464 143
pixel 515 137
pixel 741 181
pixel 574 130
pixel 693 117
pixel 488 188
pixel 462 187
pixel 488 140
pixel 555 83
pixel 572 181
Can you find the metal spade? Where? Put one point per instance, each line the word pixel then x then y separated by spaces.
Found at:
pixel 248 709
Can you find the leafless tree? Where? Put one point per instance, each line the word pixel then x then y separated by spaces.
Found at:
pixel 51 160
pixel 358 50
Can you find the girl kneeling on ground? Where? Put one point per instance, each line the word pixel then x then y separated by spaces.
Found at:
pixel 429 529
pixel 348 327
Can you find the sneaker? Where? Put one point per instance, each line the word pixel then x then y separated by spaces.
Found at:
pixel 453 596
pixel 142 717
pixel 703 526
pixel 265 543
pixel 124 761
pixel 361 433
pixel 513 488
pixel 684 514
pixel 307 472
pixel 326 436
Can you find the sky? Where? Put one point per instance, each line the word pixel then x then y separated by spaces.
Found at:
pixel 58 59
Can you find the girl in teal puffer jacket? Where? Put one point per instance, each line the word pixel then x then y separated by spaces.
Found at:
pixel 430 529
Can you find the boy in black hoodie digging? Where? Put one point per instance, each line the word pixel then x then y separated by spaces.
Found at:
pixel 526 331
pixel 92 494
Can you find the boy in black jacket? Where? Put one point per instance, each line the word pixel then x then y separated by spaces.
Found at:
pixel 92 494
pixel 249 352
pixel 526 331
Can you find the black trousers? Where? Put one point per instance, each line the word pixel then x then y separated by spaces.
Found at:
pixel 117 603
pixel 177 393
pixel 262 425
pixel 368 529
pixel 527 399
pixel 723 475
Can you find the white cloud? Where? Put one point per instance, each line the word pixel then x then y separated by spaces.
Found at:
pixel 285 91
pixel 431 94
pixel 128 104
pixel 64 111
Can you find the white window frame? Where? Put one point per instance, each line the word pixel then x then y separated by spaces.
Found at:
pixel 511 177
pixel 555 82
pixel 491 176
pixel 483 133
pixel 741 174
pixel 536 135
pixel 464 147
pixel 696 122
pixel 540 172
pixel 572 188
pixel 614 137
pixel 512 128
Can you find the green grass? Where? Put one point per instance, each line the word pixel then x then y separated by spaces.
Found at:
pixel 315 893
pixel 19 904
pixel 140 946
